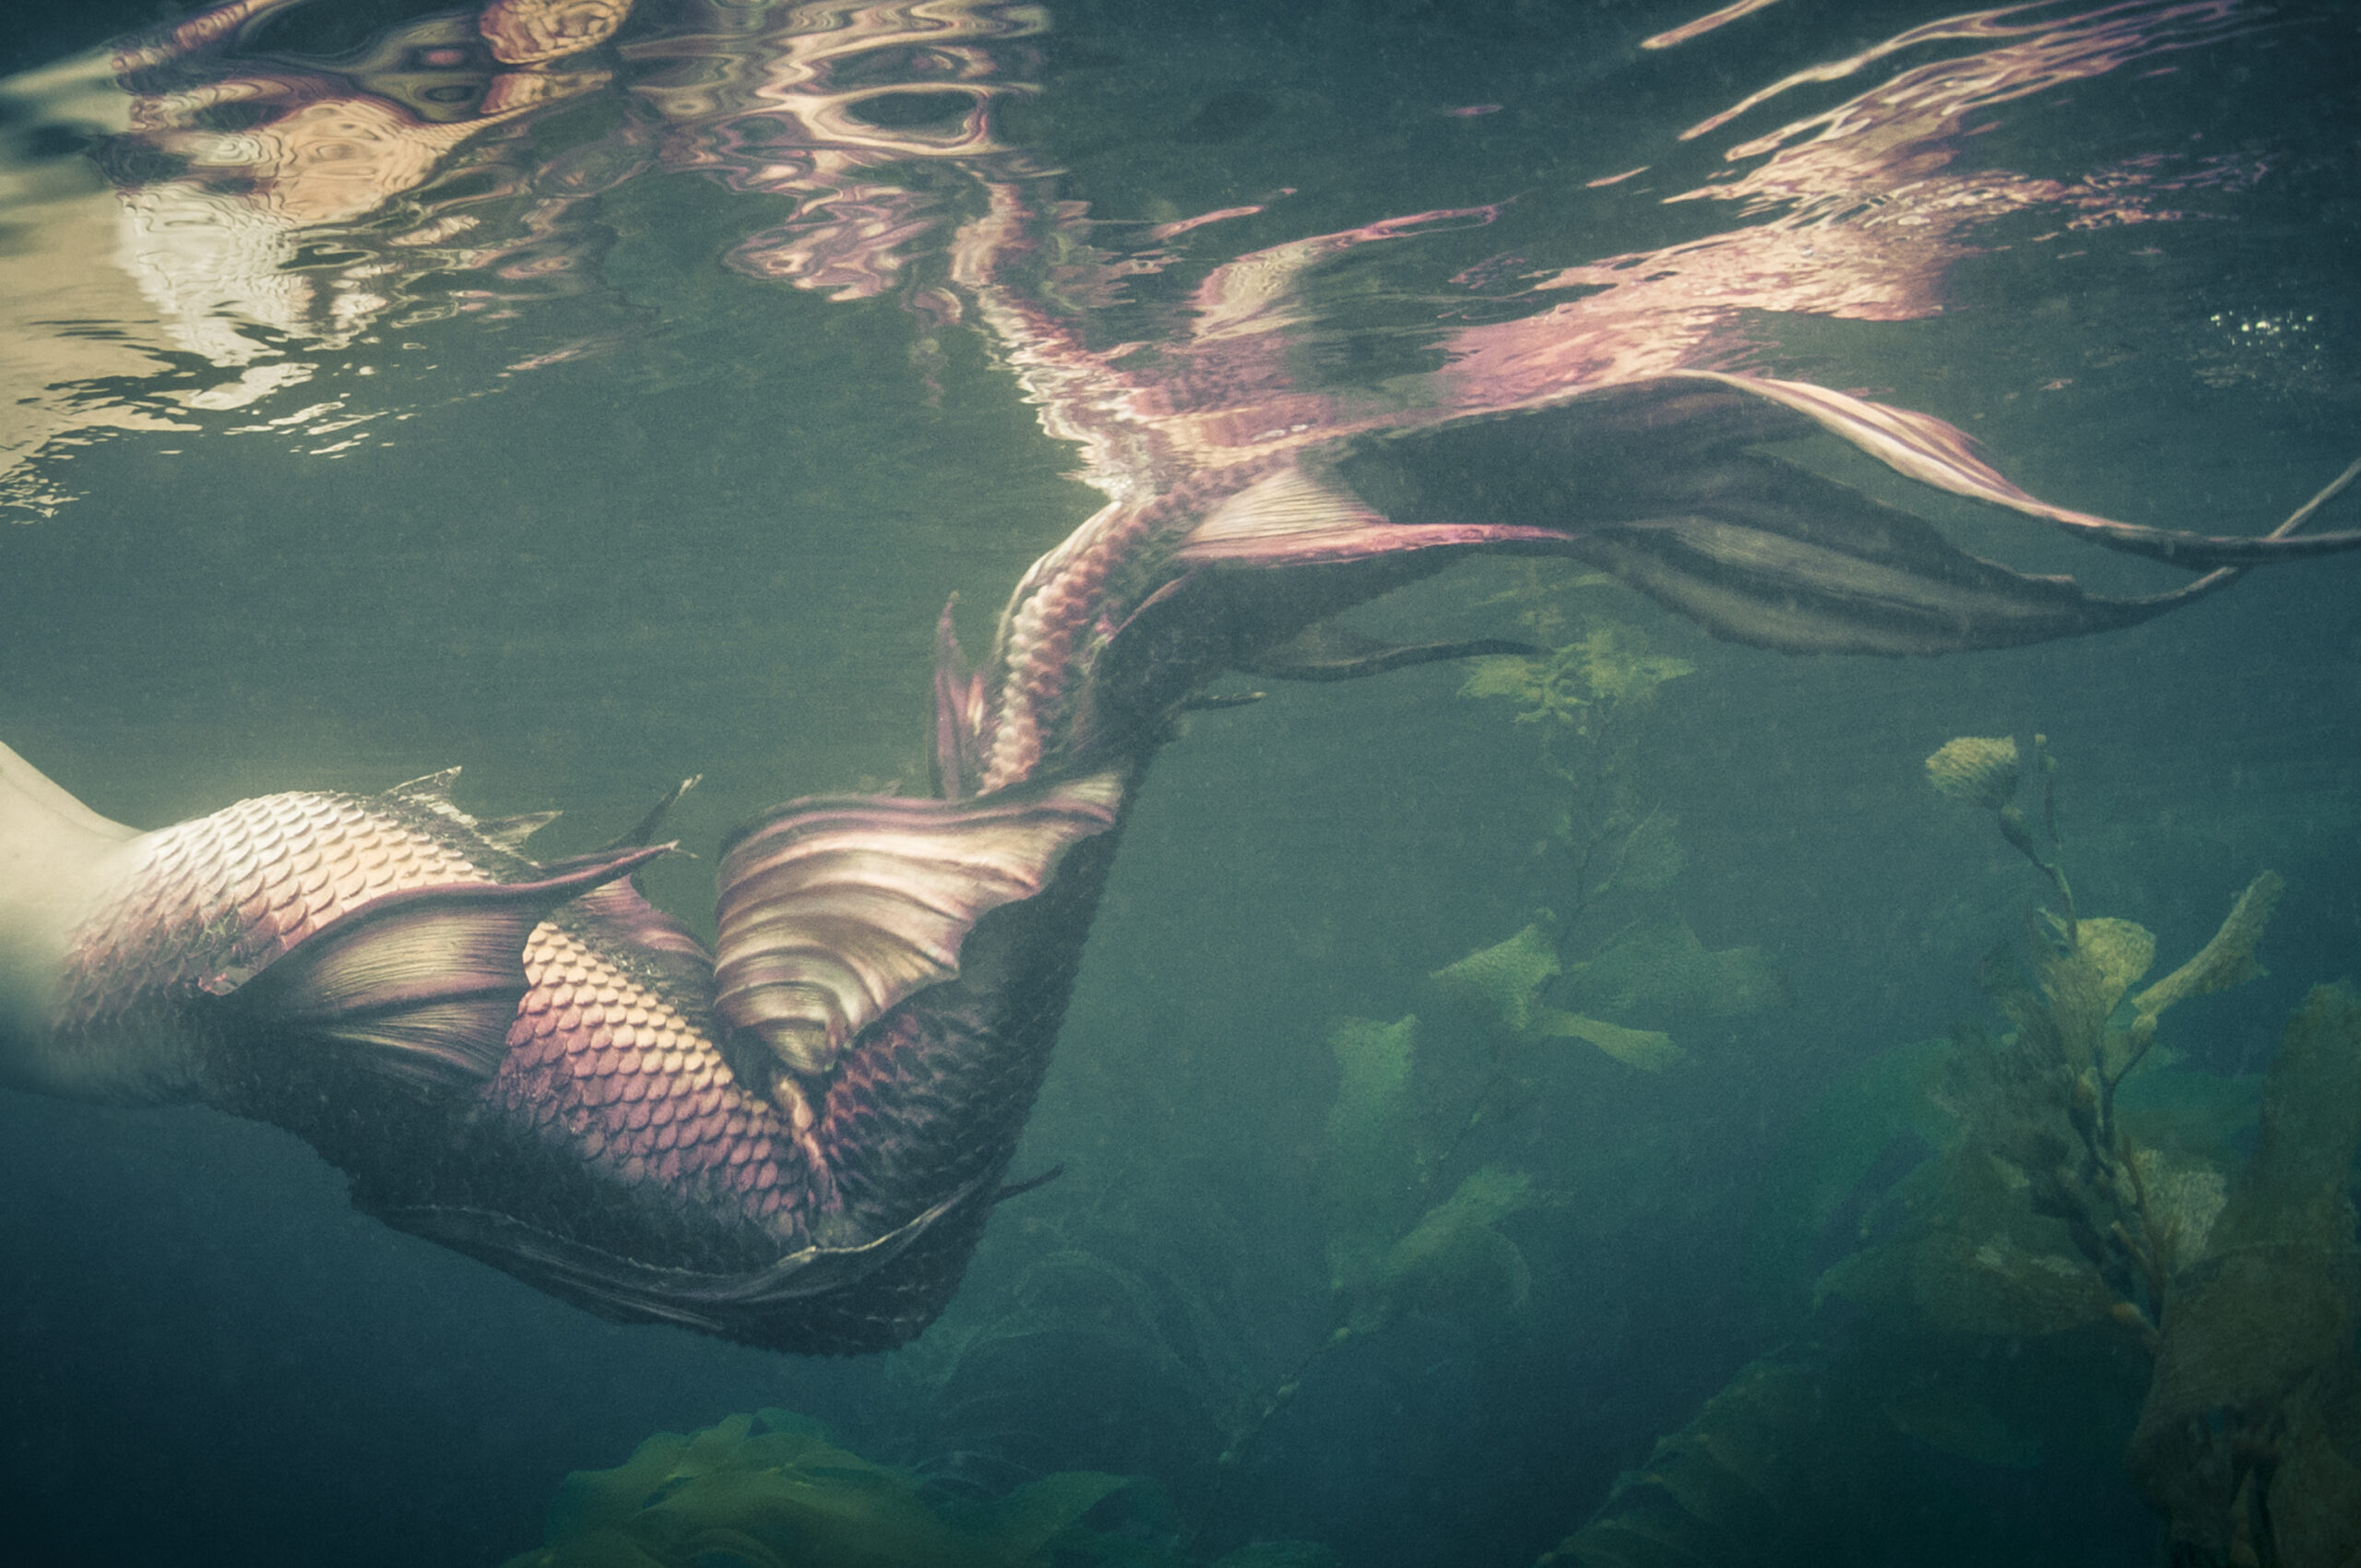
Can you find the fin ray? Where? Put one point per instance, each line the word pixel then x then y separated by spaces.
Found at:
pixel 737 1304
pixel 420 984
pixel 834 910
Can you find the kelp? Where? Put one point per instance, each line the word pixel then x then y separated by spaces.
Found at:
pixel 1657 963
pixel 2046 1214
pixel 1711 1492
pixel 1747 1483
pixel 1979 769
pixel 1591 698
pixel 1499 983
pixel 2077 1201
pixel 767 1491
pixel 2226 960
pixel 1982 770
pixel 1390 1248
pixel 1139 1291
pixel 1890 1100
pixel 1374 1171
pixel 1660 963
pixel 1410 1228
pixel 1455 1261
pixel 1808 1455
pixel 1610 664
pixel 2249 1443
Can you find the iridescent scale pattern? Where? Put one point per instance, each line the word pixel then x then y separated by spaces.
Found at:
pixel 209 901
pixel 600 1060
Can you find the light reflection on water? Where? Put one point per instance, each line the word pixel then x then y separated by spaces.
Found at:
pixel 595 411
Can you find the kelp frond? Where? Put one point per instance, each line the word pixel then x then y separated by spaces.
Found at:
pixel 767 1491
pixel 1979 769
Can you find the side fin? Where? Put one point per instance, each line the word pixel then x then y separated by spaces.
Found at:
pixel 421 984
pixel 433 793
pixel 834 910
pixel 1325 651
pixel 619 910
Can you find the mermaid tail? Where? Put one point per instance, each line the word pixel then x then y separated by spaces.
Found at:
pixel 796 1143
pixel 1656 482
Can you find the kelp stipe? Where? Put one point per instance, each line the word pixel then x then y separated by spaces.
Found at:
pixel 1420 1219
pixel 1608 847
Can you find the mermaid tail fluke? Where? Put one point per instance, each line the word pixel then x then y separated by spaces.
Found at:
pixel 1660 483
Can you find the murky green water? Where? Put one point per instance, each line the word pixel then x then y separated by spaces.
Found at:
pixel 665 461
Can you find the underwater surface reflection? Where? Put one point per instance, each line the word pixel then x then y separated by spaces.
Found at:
pixel 1630 1081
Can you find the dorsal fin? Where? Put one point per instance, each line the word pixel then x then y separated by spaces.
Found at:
pixel 433 793
pixel 433 788
pixel 834 910
pixel 421 984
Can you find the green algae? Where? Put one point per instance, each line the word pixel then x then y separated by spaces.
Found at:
pixel 2082 1207
pixel 767 1491
pixel 770 1490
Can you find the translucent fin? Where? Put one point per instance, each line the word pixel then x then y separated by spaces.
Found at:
pixel 1326 651
pixel 1653 484
pixel 1850 585
pixel 1934 452
pixel 1294 519
pixel 742 1305
pixel 510 832
pixel 420 984
pixel 834 911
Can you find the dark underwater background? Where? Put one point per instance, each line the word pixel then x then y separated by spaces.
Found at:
pixel 717 543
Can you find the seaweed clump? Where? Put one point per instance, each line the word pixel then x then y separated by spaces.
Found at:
pixel 769 1491
pixel 2082 1241
pixel 1608 944
pixel 1417 1222
pixel 2250 1441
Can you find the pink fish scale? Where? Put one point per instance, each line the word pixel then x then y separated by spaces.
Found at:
pixel 239 888
pixel 1041 634
pixel 242 864
pixel 645 1093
